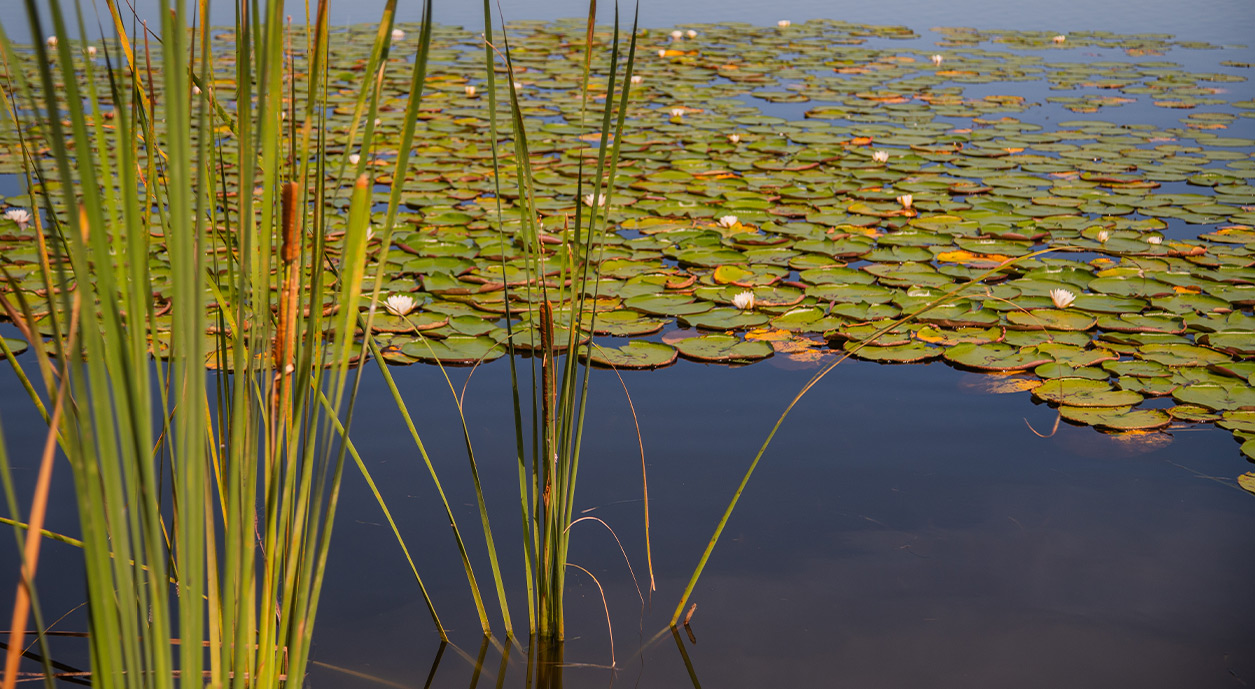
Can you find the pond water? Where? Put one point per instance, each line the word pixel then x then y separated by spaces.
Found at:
pixel 906 528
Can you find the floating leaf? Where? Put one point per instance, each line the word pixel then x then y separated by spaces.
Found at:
pixel 1083 392
pixel 722 348
pixel 1116 418
pixel 995 357
pixel 637 354
pixel 455 349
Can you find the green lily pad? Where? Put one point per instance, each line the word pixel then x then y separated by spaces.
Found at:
pixel 1192 413
pixel 667 304
pixel 1051 319
pixel 1055 369
pixel 1181 355
pixel 637 354
pixel 995 357
pixel 1116 418
pixel 1083 392
pixel 723 348
pixel 1247 480
pixel 724 319
pixel 16 346
pixel 1235 396
pixel 455 349
pixel 903 353
pixel 625 323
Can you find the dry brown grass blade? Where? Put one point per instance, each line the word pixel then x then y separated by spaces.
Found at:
pixel 640 441
pixel 30 554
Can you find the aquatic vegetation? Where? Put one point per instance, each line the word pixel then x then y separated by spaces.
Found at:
pixel 893 185
pixel 206 501
pixel 848 215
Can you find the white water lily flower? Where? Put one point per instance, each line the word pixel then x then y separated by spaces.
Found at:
pixel 1062 298
pixel 1060 38
pixel 21 216
pixel 734 138
pixel 744 300
pixel 518 85
pixel 91 51
pixel 662 52
pixel 691 33
pixel 637 79
pixel 728 221
pixel 784 23
pixel 590 198
pixel 397 34
pixel 677 112
pixel 52 41
pixel 677 35
pixel 470 91
pixel 906 200
pixel 936 59
pixel 881 156
pixel 400 304
pixel 1103 235
pixel 354 158
pixel 1154 239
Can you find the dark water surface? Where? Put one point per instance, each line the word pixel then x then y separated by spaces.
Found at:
pixel 903 530
pixel 906 528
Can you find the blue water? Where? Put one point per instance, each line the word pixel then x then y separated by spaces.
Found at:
pixel 906 529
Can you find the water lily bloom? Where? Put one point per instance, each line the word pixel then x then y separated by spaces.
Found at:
pixel 397 34
pixel 881 156
pixel 784 23
pixel 590 198
pixel 734 138
pixel 691 33
pixel 744 300
pixel 662 52
pixel 1154 239
pixel 728 221
pixel 91 51
pixel 400 304
pixel 1103 235
pixel 1060 38
pixel 906 200
pixel 52 41
pixel 21 216
pixel 354 158
pixel 937 60
pixel 677 112
pixel 470 91
pixel 637 79
pixel 677 35
pixel 1062 298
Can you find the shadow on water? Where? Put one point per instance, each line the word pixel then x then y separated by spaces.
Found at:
pixel 544 668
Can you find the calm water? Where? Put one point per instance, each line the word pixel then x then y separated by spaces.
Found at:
pixel 905 529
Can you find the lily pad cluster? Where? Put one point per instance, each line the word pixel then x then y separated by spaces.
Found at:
pixel 844 181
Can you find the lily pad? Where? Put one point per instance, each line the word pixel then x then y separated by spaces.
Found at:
pixel 1083 392
pixel 455 349
pixel 723 348
pixel 995 357
pixel 1235 396
pixel 1116 418
pixel 637 354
